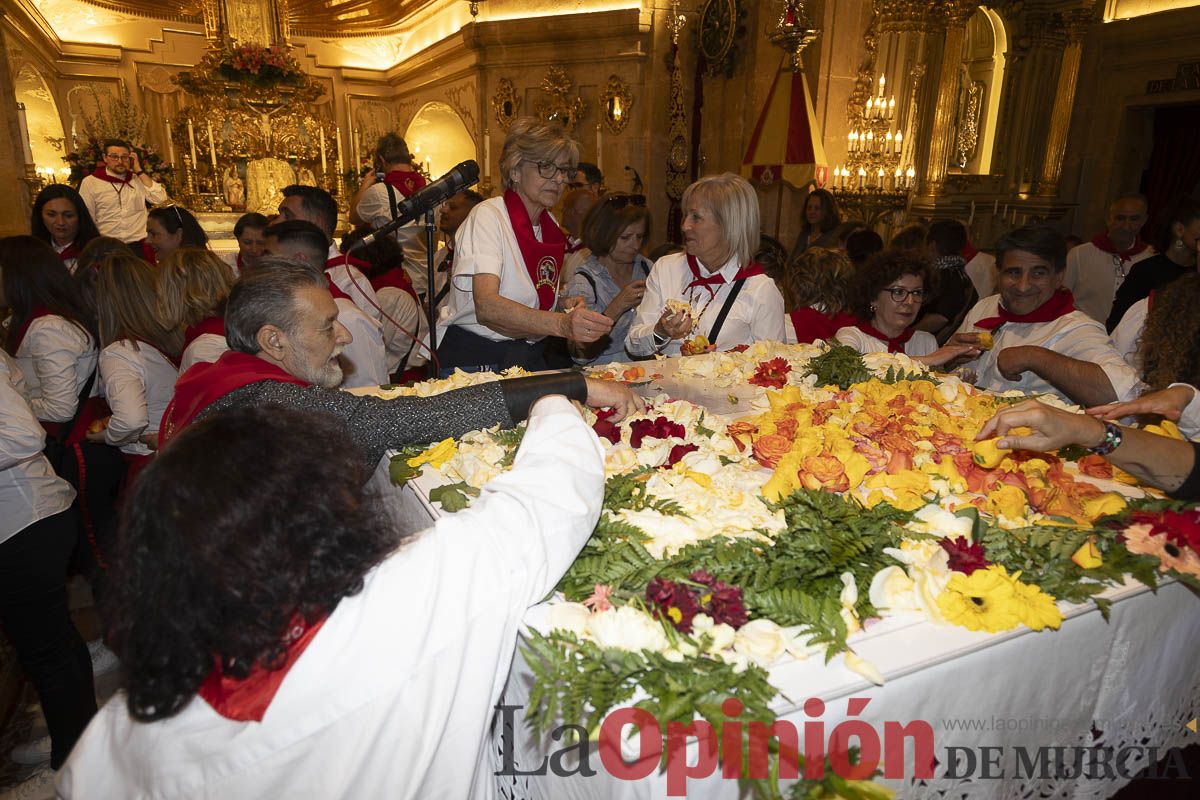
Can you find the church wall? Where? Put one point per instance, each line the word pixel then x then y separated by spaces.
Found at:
pixel 1111 132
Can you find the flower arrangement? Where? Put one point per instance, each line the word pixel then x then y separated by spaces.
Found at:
pixel 258 74
pixel 264 66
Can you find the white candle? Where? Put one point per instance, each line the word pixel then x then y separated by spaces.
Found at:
pixel 338 135
pixel 862 177
pixel 599 157
pixel 192 142
pixel 995 207
pixel 899 142
pixel 354 141
pixel 212 147
pixel 971 219
pixel 487 155
pixel 323 149
pixel 170 144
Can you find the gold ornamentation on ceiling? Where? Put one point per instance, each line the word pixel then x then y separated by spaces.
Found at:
pixel 558 106
pixel 324 18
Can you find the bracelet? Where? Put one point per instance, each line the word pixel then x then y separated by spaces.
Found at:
pixel 1112 440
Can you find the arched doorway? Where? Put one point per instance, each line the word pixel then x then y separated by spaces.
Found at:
pixel 438 138
pixel 41 119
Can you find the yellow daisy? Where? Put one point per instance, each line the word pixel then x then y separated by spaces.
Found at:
pixel 981 601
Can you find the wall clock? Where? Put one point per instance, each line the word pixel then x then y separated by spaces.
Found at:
pixel 719 27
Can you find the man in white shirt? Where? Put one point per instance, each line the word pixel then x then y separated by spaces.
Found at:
pixel 364 359
pixel 391 654
pixel 116 194
pixel 372 204
pixel 310 204
pixel 1096 269
pixel 1040 342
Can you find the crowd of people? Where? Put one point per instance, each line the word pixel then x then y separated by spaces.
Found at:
pixel 126 335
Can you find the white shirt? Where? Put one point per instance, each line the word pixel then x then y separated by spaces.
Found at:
pixel 56 357
pixel 981 269
pixel 69 263
pixel 354 283
pixel 394 696
pixel 1075 335
pixel 1094 276
pixel 485 244
pixel 1127 336
pixel 922 343
pixel 29 489
pixel 139 382
pixel 120 210
pixel 1189 420
pixel 206 347
pixel 403 316
pixel 376 210
pixel 364 360
pixel 757 313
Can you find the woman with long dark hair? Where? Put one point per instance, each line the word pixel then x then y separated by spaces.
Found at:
pixel 169 228
pixel 61 219
pixel 51 332
pixel 821 224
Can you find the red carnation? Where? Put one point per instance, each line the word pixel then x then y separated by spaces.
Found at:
pixel 660 428
pixel 673 602
pixel 965 556
pixel 772 374
pixel 1183 528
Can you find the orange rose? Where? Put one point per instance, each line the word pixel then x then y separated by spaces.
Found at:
pixel 824 472
pixel 770 448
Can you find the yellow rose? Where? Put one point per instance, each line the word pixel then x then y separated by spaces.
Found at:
pixel 988 454
pixel 1088 555
pixel 435 456
pixel 1107 503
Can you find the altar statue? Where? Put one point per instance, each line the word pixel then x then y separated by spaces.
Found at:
pixel 306 177
pixel 235 190
pixel 265 180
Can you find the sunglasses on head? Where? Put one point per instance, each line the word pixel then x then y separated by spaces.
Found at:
pixel 619 201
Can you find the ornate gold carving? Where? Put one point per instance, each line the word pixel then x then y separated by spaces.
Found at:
pixel 615 103
pixel 558 106
pixel 677 152
pixel 461 98
pixel 506 103
pixel 970 108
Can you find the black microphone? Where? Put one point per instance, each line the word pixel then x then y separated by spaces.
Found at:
pixel 410 208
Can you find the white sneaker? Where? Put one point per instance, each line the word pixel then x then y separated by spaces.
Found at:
pixel 31 753
pixel 104 660
pixel 38 786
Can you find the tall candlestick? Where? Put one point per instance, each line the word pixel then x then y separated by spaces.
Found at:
pixel 323 149
pixel 170 143
pixel 192 141
pixel 212 149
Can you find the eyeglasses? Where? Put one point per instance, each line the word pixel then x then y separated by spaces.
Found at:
pixel 900 294
pixel 548 169
pixel 116 157
pixel 619 201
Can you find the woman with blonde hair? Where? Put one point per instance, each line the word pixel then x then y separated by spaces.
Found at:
pixel 816 295
pixel 139 359
pixel 193 284
pixel 504 300
pixel 713 294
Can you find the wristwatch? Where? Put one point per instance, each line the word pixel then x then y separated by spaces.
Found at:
pixel 1112 440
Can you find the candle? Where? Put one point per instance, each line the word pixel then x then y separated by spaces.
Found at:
pixel 323 149
pixel 971 219
pixel 487 155
pixel 899 142
pixel 1005 213
pixel 908 178
pixel 212 147
pixel 338 135
pixel 870 100
pixel 170 143
pixel 898 179
pixel 880 177
pixel 995 207
pixel 882 82
pixel 891 112
pixel 599 156
pixel 192 141
pixel 354 134
pixel 862 177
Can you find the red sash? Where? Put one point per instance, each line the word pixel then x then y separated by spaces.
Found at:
pixel 811 325
pixel 35 313
pixel 213 325
pixel 101 173
pixel 405 181
pixel 205 383
pixel 1102 242
pixel 396 278
pixel 1061 303
pixel 894 344
pixel 716 279
pixel 246 699
pixel 543 260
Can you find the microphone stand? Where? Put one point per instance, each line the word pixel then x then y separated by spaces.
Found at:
pixel 431 295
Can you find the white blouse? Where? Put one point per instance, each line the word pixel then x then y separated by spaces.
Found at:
pixel 29 488
pixel 206 347
pixel 139 382
pixel 922 343
pixel 56 357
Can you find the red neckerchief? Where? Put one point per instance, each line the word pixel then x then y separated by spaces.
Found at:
pixel 574 245
pixel 247 699
pixel 148 254
pixel 716 279
pixel 348 261
pixel 543 260
pixel 204 383
pixel 34 313
pixel 70 251
pixel 336 290
pixel 1102 242
pixel 101 173
pixel 894 344
pixel 213 325
pixel 405 181
pixel 811 325
pixel 969 252
pixel 1061 303
pixel 240 265
pixel 396 278
pixel 173 359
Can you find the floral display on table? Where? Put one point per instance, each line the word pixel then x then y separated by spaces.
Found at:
pixel 726 548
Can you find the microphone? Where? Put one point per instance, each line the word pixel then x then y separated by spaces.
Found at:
pixel 410 208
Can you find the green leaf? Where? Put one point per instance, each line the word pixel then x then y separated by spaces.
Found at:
pixel 453 496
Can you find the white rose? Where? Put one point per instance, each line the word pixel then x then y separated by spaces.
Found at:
pixel 571 617
pixel 621 458
pixel 626 628
pixel 654 452
pixel 849 594
pixel 761 641
pixel 893 592
pixel 721 637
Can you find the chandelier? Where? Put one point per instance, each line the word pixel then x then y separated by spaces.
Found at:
pixel 875 179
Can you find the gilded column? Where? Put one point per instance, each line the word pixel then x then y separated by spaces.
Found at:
pixel 1076 23
pixel 941 144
